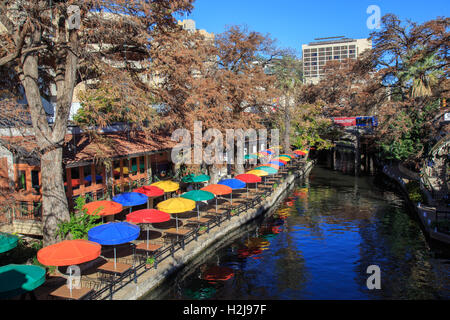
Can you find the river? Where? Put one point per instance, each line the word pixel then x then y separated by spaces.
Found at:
pixel 318 244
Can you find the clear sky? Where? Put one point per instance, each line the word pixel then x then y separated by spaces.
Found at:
pixel 297 22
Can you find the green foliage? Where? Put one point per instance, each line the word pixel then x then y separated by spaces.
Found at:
pixel 150 260
pixel 80 222
pixel 414 192
pixel 409 135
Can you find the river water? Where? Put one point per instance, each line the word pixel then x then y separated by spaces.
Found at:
pixel 318 244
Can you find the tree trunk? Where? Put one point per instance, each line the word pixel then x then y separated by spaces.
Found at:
pixel 287 125
pixel 54 201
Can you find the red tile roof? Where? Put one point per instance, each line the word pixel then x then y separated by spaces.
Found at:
pixel 110 145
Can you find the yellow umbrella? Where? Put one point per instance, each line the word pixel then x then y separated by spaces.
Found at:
pixel 259 173
pixel 176 205
pixel 167 186
pixel 287 159
pixel 124 170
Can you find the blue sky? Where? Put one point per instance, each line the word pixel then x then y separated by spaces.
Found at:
pixel 297 22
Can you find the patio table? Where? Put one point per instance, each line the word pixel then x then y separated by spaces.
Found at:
pixel 63 292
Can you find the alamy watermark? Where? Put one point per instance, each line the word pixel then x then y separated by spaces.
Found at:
pixel 374 281
pixel 230 149
pixel 374 20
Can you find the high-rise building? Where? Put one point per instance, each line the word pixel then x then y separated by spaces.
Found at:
pixel 317 54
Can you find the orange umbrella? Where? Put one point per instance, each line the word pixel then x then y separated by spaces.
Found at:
pixel 69 252
pixel 218 190
pixel 107 208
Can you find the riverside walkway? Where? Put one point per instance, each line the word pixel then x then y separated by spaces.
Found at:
pixel 430 216
pixel 170 256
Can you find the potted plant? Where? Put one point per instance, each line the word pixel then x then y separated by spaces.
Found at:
pixel 149 262
pixel 202 229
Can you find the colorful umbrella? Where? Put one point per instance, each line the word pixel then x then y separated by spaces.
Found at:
pixel 269 170
pixel 150 191
pixel 167 186
pixel 195 179
pixel 131 199
pixel 98 178
pixel 259 173
pixel 284 158
pixel 249 178
pixel 103 208
pixel 148 216
pixel 269 152
pixel 271 165
pixel 69 252
pixel 17 279
pixel 279 163
pixel 198 195
pixel 286 155
pixel 250 156
pixel 218 190
pixel 176 205
pixel 234 184
pixel 114 233
pixel 7 241
pixel 125 170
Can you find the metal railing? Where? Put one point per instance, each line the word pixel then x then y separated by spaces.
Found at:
pixel 108 289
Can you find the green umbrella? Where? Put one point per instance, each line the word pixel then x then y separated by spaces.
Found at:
pixel 198 195
pixel 250 156
pixel 191 178
pixel 16 279
pixel 269 170
pixel 7 241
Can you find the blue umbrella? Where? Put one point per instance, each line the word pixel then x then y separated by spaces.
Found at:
pixel 98 178
pixel 130 199
pixel 278 163
pixel 268 151
pixel 114 233
pixel 233 184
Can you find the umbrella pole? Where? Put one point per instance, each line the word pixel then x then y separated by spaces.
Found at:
pixel 247 191
pixel 114 257
pixel 216 204
pixel 147 237
pixel 198 213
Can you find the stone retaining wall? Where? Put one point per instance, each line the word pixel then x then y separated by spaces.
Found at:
pixel 152 278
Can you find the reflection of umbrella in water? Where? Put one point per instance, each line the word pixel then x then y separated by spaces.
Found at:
pixel 16 279
pixel 218 273
pixel 248 252
pixel 114 233
pixel 257 243
pixel 199 290
pixel 7 241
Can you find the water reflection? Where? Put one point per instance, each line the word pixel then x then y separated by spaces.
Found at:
pixel 317 244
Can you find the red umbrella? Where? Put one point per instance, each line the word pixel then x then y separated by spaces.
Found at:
pixel 75 183
pixel 107 208
pixel 150 191
pixel 249 178
pixel 279 160
pixel 218 190
pixel 69 252
pixel 148 216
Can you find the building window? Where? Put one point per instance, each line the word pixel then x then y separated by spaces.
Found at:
pixel 35 180
pixel 22 180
